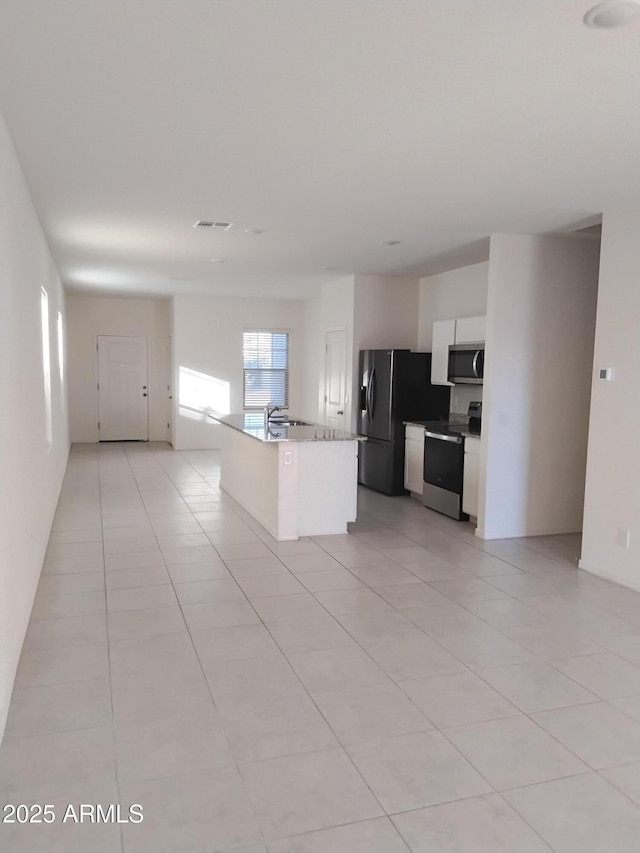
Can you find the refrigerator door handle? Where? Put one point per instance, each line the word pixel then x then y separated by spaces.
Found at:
pixel 373 393
pixel 369 397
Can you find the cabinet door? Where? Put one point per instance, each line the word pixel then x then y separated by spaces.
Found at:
pixel 471 484
pixel 470 330
pixel 407 459
pixel 413 458
pixel 444 333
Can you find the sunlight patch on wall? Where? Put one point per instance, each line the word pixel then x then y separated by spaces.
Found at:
pixel 46 365
pixel 200 394
pixel 60 333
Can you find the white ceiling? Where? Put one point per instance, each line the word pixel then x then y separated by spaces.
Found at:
pixel 334 125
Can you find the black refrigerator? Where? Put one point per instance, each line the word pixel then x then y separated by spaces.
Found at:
pixel 395 386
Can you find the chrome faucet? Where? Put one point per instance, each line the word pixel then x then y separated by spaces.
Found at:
pixel 270 408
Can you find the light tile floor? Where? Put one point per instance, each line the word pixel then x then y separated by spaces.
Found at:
pixel 403 687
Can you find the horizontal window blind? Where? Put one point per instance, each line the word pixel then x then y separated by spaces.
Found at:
pixel 265 358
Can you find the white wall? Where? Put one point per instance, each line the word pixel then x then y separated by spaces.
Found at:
pixel 539 351
pixel 448 295
pixel 375 311
pixel 462 395
pixel 91 316
pixel 386 312
pixel 612 496
pixel 207 341
pixel 313 360
pixel 385 316
pixel 32 470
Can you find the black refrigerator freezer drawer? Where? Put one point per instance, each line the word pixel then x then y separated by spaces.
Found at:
pixel 381 466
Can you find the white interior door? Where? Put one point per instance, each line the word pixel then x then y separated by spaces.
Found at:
pixel 123 389
pixel 335 388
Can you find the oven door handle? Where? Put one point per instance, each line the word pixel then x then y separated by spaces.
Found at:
pixel 453 439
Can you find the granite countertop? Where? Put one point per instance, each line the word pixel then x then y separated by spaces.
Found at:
pixel 447 428
pixel 253 425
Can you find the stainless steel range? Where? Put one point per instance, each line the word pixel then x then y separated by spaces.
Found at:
pixel 444 464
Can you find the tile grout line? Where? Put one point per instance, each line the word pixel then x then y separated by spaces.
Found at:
pixel 392 609
pixel 106 617
pixel 306 691
pixel 208 687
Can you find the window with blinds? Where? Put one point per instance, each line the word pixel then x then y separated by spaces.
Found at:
pixel 266 369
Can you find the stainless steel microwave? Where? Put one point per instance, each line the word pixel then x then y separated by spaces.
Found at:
pixel 466 364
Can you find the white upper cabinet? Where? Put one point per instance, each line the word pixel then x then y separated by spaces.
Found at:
pixel 444 336
pixel 470 330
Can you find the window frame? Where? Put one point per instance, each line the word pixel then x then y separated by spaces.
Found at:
pixel 257 370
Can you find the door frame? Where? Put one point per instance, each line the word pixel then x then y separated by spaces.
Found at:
pixel 171 403
pixel 111 335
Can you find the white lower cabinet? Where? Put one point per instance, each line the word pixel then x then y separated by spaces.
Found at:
pixel 413 458
pixel 471 481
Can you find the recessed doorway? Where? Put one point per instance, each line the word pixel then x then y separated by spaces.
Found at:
pixel 123 388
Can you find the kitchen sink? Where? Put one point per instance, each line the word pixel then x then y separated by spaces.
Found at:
pixel 287 422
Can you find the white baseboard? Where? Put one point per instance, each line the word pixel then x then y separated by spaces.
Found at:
pixel 539 531
pixel 609 576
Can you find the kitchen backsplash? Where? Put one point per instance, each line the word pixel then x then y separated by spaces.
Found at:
pixel 461 396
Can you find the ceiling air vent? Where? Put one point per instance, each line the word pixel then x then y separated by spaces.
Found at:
pixel 212 225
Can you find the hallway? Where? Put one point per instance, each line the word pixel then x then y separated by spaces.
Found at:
pixel 404 687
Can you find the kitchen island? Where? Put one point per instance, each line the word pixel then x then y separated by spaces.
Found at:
pixel 294 477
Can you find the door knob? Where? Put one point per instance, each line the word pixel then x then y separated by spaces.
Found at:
pixel 144 395
pixel 340 412
pixel 144 387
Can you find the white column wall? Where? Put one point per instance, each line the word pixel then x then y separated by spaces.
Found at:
pixel 449 295
pixel 313 361
pixel 612 494
pixel 539 351
pixel 31 469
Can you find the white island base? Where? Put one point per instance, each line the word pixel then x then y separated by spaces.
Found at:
pixel 292 488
